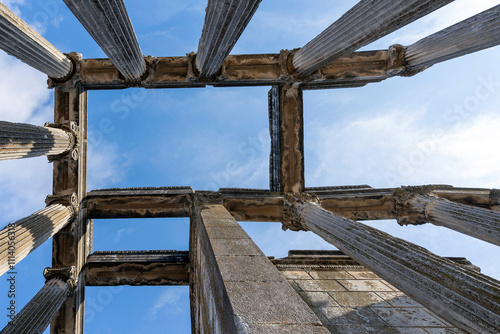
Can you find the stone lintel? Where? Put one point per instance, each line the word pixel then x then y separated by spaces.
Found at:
pixel 356 69
pixel 137 268
pixel 140 202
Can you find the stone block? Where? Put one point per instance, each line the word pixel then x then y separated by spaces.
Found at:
pixel 365 285
pixel 407 317
pixel 269 302
pixel 345 316
pixel 395 330
pixel 363 274
pixel 398 299
pixel 358 299
pixel 319 285
pixel 286 329
pixel 330 274
pixel 242 268
pixel 295 274
pixel 235 247
pixel 318 299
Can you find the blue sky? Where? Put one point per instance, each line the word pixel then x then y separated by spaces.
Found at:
pixel 440 127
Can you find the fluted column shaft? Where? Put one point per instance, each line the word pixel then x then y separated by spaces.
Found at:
pixel 19 239
pixel 464 297
pixel 479 32
pixel 19 140
pixel 108 23
pixel 36 316
pixel 225 21
pixel 23 42
pixel 366 22
pixel 414 208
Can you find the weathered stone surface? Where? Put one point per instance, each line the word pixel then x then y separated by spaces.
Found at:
pixel 23 42
pixel 462 296
pixel 357 69
pixel 140 202
pixel 474 34
pixel 225 21
pixel 35 317
pixel 240 292
pixel 108 23
pixel 22 237
pixel 365 285
pixel 358 299
pixel 137 268
pixel 408 317
pixel 18 140
pixel 364 23
pixel 72 244
pixel 413 207
pixel 318 299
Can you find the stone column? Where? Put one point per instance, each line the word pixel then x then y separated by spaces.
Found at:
pixel 35 317
pixel 23 42
pixel 479 32
pixel 462 296
pixel 108 23
pixel 225 21
pixel 366 22
pixel 18 140
pixel 415 205
pixel 236 288
pixel 19 239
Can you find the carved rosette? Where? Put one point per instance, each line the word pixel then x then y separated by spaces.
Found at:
pixel 66 274
pixel 293 207
pixel 410 204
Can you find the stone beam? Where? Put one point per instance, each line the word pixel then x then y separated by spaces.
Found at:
pixel 225 21
pixel 236 287
pixel 35 317
pixel 19 140
pixel 73 243
pixel 353 202
pixel 464 297
pixel 19 239
pixel 108 23
pixel 366 22
pixel 356 69
pixel 291 138
pixel 477 33
pixel 417 205
pixel 140 202
pixel 21 41
pixel 162 267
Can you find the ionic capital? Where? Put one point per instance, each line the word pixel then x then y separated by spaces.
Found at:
pixel 410 204
pixel 67 274
pixel 293 207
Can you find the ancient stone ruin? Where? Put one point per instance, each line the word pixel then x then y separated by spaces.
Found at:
pixel 234 287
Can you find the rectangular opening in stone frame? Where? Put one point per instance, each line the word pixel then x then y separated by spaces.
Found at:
pixel 401 131
pixel 206 138
pixel 158 309
pixel 141 234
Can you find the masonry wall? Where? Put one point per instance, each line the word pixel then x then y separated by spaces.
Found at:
pixel 350 299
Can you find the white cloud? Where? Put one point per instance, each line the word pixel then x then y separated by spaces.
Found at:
pixel 106 165
pixel 172 300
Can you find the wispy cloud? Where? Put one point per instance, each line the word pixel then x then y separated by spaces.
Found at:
pixel 171 300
